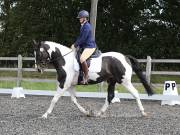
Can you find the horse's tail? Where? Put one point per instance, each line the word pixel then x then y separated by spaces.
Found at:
pixel 136 68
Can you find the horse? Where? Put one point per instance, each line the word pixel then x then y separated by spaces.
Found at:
pixel 112 67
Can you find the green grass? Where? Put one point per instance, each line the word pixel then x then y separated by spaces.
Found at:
pixel 29 85
pixel 8 85
pixel 44 86
pixel 162 78
pixel 88 88
pixel 35 74
pixel 93 88
pixel 39 86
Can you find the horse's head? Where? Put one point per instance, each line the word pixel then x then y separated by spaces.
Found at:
pixel 47 51
pixel 42 57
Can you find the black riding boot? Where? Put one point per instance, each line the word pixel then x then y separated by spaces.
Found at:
pixel 85 71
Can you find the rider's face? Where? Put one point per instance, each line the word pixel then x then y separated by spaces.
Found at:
pixel 81 20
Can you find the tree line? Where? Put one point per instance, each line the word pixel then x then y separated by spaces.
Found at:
pixel 134 27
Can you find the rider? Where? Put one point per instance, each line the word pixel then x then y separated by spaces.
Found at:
pixel 85 41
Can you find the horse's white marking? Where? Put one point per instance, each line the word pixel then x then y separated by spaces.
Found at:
pixel 41 49
pixel 53 102
pixel 127 84
pixel 53 46
pixel 105 106
pixel 71 91
pixel 93 76
pixel 95 65
pixel 76 65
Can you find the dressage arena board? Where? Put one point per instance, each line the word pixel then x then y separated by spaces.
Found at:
pixel 23 117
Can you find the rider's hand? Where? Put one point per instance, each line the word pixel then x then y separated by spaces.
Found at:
pixel 73 47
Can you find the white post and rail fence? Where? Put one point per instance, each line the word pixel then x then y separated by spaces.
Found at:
pixel 99 94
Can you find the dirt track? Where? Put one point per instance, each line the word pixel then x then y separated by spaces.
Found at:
pixel 22 117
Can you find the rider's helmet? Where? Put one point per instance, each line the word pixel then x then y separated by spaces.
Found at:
pixel 83 14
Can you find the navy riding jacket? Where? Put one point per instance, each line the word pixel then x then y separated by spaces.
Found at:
pixel 85 39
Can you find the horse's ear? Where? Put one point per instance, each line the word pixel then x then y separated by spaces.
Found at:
pixel 35 44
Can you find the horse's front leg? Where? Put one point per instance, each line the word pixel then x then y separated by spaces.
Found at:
pixel 88 113
pixel 74 99
pixel 53 102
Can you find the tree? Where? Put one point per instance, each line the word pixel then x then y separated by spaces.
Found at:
pixel 134 27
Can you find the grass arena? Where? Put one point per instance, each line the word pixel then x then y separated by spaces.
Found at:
pixel 23 117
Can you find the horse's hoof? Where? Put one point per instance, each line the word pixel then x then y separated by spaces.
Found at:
pixel 95 113
pixel 90 113
pixel 44 116
pixel 87 113
pixel 146 115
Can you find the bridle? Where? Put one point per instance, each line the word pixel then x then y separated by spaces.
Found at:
pixel 52 60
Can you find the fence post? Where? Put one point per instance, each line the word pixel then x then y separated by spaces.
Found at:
pixel 19 71
pixel 93 15
pixel 148 69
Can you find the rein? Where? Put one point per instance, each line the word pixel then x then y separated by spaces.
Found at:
pixel 68 53
pixel 59 57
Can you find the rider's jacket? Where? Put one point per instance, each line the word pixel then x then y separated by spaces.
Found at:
pixel 85 39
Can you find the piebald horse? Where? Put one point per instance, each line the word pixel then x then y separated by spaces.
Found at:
pixel 112 67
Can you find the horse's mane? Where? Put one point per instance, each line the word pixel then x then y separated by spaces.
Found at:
pixel 54 45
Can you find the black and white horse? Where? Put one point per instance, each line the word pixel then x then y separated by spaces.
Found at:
pixel 112 67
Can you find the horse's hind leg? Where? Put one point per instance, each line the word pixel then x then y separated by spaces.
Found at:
pixel 111 86
pixel 103 109
pixel 74 99
pixel 127 84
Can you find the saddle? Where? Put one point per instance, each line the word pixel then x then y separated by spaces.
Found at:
pixel 96 54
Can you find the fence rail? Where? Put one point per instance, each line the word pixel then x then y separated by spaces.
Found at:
pixel 20 69
pixel 19 78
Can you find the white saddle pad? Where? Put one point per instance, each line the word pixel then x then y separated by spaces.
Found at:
pixel 95 64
